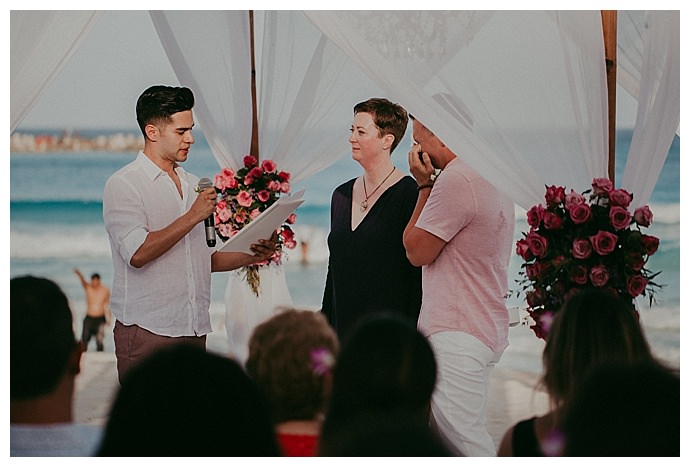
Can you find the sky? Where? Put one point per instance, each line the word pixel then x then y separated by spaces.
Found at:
pixel 122 56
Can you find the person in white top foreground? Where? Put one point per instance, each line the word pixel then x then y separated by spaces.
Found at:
pixel 44 362
pixel 153 213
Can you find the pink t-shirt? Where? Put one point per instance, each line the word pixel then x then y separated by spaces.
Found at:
pixel 464 288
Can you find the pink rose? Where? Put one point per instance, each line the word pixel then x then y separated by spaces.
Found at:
pixel 522 250
pixel 285 187
pixel 604 242
pixel 619 217
pixel 223 214
pixel 284 176
pixel 535 215
pixel 538 245
pixel 554 195
pixel 226 230
pixel 244 198
pixel 269 166
pixel 273 186
pixel 254 214
pixel 582 248
pixel 263 195
pixel 650 244
pixel 601 186
pixel 552 221
pixel 579 275
pixel 636 285
pixel 292 218
pixel 256 172
pixel 599 276
pixel 248 180
pixel 250 161
pixel 643 216
pixel 240 217
pixel 580 213
pixel 573 198
pixel 620 198
pixel 225 180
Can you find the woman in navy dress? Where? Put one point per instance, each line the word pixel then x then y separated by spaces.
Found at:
pixel 368 270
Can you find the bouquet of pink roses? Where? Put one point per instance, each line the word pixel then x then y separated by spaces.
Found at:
pixel 575 243
pixel 244 195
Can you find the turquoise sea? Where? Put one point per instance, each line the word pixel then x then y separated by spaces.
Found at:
pixel 56 225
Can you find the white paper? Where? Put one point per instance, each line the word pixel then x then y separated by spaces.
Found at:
pixel 263 226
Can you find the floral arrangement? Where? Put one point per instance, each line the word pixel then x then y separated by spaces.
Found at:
pixel 245 194
pixel 575 243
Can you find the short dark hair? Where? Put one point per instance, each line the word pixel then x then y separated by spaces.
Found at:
pixel 389 117
pixel 158 103
pixel 41 336
pixel 95 275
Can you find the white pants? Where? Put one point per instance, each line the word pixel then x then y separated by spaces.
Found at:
pixel 459 402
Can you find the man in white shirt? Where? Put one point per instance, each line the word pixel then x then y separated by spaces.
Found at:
pixel 44 362
pixel 154 213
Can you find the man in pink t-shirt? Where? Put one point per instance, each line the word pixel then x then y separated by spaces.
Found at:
pixel 461 232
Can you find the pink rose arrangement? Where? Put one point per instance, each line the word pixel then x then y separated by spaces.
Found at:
pixel 243 195
pixel 574 243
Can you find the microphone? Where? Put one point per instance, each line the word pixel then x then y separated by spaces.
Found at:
pixel 209 223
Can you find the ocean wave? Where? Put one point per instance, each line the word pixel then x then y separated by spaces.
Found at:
pixel 72 243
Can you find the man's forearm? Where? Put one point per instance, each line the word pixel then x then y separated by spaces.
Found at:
pixel 159 242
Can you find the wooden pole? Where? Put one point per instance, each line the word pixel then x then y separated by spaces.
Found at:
pixel 254 148
pixel 609 21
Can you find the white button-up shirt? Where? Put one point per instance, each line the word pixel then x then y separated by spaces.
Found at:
pixel 169 296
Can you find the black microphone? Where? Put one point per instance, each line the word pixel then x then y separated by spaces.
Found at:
pixel 209 223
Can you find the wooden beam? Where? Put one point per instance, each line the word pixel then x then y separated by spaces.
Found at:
pixel 609 21
pixel 254 148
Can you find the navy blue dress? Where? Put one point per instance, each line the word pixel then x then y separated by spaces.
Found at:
pixel 368 270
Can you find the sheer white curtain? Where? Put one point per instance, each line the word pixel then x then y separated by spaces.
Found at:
pixel 41 42
pixel 519 95
pixel 306 91
pixel 649 49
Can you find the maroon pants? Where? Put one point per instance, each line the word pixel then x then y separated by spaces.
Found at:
pixel 132 344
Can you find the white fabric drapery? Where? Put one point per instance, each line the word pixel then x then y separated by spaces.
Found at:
pixel 650 54
pixel 41 42
pixel 519 95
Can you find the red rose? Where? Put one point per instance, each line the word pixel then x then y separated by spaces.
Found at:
pixel 579 275
pixel 263 195
pixel 533 271
pixel 604 242
pixel 650 244
pixel 636 285
pixel 620 198
pixel 522 250
pixel 582 248
pixel 284 176
pixel 552 221
pixel 580 213
pixel 599 276
pixel 554 195
pixel 643 216
pixel 250 161
pixel 538 245
pixel 256 172
pixel 534 298
pixel 619 217
pixel 601 186
pixel 535 215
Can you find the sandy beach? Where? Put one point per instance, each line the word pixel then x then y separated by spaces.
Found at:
pixel 512 396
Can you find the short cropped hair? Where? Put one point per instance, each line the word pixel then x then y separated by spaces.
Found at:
pixel 390 118
pixel 41 336
pixel 288 356
pixel 158 103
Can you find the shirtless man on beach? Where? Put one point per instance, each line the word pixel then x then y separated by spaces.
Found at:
pixel 97 310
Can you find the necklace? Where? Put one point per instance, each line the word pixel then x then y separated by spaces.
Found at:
pixel 364 204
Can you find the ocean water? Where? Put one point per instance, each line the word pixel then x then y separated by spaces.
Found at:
pixel 56 225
